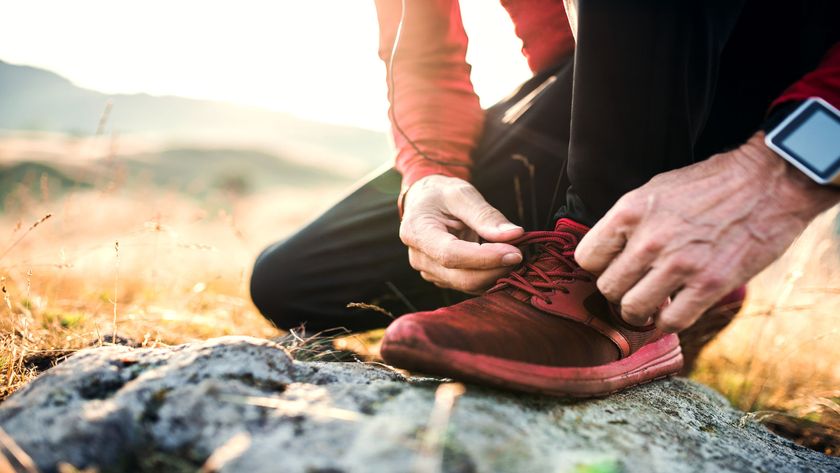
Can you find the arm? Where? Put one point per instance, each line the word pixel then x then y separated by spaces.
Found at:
pixel 706 229
pixel 434 103
pixel 433 98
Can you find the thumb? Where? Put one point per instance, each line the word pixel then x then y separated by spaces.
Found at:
pixel 490 224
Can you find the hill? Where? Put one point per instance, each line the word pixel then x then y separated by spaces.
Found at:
pixel 34 99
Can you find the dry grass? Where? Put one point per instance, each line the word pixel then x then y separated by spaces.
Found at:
pixel 782 351
pixel 157 269
pixel 163 269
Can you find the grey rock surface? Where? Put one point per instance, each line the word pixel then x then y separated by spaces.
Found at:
pixel 239 404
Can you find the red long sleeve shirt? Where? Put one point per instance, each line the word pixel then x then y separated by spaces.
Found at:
pixel 435 102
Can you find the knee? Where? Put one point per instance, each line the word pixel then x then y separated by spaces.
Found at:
pixel 273 289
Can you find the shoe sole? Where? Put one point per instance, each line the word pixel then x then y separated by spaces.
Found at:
pixel 415 352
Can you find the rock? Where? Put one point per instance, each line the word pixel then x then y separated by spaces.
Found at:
pixel 245 405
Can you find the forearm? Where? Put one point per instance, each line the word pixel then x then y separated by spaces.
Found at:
pixel 435 113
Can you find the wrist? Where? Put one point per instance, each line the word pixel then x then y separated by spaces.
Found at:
pixel 420 186
pixel 800 193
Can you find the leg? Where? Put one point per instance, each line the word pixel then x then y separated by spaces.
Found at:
pixel 520 162
pixel 660 85
pixel 644 81
pixel 352 253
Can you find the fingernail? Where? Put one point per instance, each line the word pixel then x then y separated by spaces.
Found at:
pixel 507 226
pixel 511 259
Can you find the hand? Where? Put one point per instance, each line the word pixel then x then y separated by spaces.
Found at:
pixel 443 219
pixel 700 232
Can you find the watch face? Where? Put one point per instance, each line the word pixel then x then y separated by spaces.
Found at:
pixel 811 137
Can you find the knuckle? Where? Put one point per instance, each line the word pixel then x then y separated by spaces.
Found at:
pixel 607 288
pixel 413 259
pixel 406 233
pixel 583 260
pixel 428 277
pixel 602 285
pixel 655 179
pixel 682 265
pixel 671 325
pixel 627 209
pixel 439 283
pixel 625 215
pixel 626 202
pixel 633 309
pixel 673 322
pixel 436 256
pixel 623 202
pixel 448 258
pixel 711 283
pixel 652 246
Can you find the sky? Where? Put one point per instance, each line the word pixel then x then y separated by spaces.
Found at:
pixel 315 58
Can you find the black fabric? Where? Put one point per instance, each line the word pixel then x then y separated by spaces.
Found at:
pixel 660 85
pixel 653 86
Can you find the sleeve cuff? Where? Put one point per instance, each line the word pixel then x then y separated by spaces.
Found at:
pixel 777 113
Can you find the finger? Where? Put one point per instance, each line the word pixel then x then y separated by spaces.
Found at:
pixel 629 266
pixel 432 279
pixel 606 239
pixel 456 277
pixel 450 252
pixel 471 282
pixel 648 295
pixel 688 305
pixel 461 279
pixel 417 260
pixel 414 228
pixel 459 254
pixel 468 205
pixel 426 267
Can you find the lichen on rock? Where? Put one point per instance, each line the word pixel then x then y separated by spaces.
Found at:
pixel 169 409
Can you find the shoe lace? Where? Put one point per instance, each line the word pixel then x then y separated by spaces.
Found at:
pixel 546 248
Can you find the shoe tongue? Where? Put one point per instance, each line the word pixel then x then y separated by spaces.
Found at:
pixel 568 225
pixel 548 262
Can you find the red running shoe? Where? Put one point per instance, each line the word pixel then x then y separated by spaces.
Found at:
pixel 545 328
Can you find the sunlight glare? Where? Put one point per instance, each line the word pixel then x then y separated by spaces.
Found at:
pixel 315 59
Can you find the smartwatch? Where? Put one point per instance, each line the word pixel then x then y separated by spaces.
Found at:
pixel 809 138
